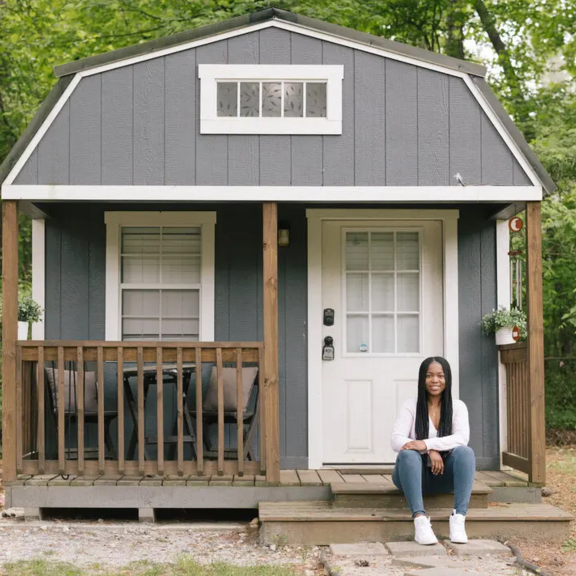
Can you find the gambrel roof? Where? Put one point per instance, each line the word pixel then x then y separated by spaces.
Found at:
pixel 472 74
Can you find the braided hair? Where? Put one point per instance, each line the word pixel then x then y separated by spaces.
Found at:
pixel 422 420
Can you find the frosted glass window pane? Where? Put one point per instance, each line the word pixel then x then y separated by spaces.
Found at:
pixel 383 334
pixel 180 329
pixel 383 292
pixel 316 99
pixel 408 334
pixel 408 292
pixel 180 303
pixel 140 302
pixel 357 250
pixel 250 99
pixel 407 251
pixel 293 99
pixel 140 269
pixel 357 292
pixel 227 97
pixel 140 329
pixel 271 98
pixel 382 251
pixel 357 332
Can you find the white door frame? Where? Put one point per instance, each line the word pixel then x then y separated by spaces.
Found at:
pixel 315 217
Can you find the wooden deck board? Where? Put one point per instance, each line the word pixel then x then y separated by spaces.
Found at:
pixel 330 477
pixel 353 478
pixel 289 478
pixel 375 478
pixel 309 478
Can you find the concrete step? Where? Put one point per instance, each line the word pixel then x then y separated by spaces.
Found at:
pixel 322 523
pixel 386 495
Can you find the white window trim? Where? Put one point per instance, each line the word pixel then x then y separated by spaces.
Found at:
pixel 450 300
pixel 39 275
pixel 115 220
pixel 210 123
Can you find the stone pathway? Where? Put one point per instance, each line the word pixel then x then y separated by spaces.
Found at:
pixel 477 558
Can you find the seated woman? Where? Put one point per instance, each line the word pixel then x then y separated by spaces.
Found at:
pixel 431 435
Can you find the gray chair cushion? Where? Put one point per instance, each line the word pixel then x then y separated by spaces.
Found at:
pixel 70 391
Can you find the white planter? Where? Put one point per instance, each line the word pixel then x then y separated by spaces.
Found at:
pixel 504 336
pixel 22 330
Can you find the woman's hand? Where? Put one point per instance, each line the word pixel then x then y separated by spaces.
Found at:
pixel 414 445
pixel 437 462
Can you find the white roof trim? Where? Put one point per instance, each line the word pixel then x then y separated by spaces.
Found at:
pixel 290 27
pixel 432 194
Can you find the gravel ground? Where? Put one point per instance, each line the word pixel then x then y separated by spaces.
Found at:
pixel 115 545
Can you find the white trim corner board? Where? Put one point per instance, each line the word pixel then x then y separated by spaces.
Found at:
pixel 39 275
pixel 450 286
pixel 115 220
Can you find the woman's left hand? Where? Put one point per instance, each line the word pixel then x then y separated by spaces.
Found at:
pixel 415 445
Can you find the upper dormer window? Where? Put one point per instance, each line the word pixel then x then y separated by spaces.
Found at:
pixel 268 99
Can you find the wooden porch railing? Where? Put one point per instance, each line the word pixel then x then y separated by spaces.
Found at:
pixel 32 409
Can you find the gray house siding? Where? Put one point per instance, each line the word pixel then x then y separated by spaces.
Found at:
pixel 75 308
pixel 402 125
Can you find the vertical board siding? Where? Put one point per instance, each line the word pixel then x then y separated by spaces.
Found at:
pixel 86 132
pixel 117 126
pixel 402 126
pixel 433 122
pixel 465 138
pixel 370 119
pixel 180 118
pixel 149 122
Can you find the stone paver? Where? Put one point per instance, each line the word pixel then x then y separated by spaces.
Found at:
pixel 445 571
pixel 409 549
pixel 432 562
pixel 479 548
pixel 362 549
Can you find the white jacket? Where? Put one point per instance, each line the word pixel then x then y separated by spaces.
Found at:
pixel 404 428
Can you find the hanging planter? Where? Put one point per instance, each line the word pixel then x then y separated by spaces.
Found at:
pixel 509 326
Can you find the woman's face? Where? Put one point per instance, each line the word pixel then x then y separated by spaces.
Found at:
pixel 435 380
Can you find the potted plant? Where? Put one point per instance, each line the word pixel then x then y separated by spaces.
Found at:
pixel 502 321
pixel 29 312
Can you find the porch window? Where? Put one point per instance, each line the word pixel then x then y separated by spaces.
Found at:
pixel 382 287
pixel 266 99
pixel 160 276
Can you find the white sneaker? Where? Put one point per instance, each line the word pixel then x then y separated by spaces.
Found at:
pixel 423 531
pixel 457 528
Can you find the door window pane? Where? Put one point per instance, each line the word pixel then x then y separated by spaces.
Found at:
pixel 382 251
pixel 383 334
pixel 383 292
pixel 408 292
pixel 407 251
pixel 408 334
pixel 357 333
pixel 357 251
pixel 357 292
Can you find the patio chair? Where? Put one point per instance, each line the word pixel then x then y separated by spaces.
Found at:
pixel 250 413
pixel 70 407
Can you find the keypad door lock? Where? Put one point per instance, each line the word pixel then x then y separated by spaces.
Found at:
pixel 328 349
pixel 328 317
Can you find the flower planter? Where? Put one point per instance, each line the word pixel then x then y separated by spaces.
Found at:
pixel 504 336
pixel 22 330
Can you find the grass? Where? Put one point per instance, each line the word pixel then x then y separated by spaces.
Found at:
pixel 183 567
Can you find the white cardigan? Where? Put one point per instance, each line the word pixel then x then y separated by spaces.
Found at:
pixel 404 428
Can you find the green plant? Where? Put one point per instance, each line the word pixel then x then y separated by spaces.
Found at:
pixel 504 318
pixel 28 310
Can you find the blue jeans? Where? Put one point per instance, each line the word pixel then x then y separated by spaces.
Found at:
pixel 415 478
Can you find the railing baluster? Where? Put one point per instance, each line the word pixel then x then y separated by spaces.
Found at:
pixel 41 413
pixel 220 376
pixel 199 423
pixel 240 411
pixel 80 407
pixel 262 413
pixel 120 385
pixel 61 422
pixel 101 443
pixel 19 412
pixel 140 363
pixel 160 409
pixel 180 416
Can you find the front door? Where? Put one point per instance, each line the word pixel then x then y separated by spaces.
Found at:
pixel 383 279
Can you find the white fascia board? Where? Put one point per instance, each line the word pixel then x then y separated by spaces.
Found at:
pixel 425 194
pixel 261 72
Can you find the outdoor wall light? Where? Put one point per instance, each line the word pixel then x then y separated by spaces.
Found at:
pixel 283 234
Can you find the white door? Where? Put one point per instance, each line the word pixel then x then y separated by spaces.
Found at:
pixel 383 279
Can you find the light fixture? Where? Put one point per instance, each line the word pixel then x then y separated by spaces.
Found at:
pixel 283 234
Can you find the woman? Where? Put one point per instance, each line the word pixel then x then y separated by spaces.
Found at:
pixel 431 435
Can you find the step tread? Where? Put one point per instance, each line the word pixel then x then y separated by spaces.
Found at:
pixel 324 512
pixel 389 489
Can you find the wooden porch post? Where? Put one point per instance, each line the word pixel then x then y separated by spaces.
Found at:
pixel 271 395
pixel 537 438
pixel 9 335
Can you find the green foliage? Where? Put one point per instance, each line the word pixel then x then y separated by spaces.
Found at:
pixel 28 310
pixel 504 318
pixel 561 394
